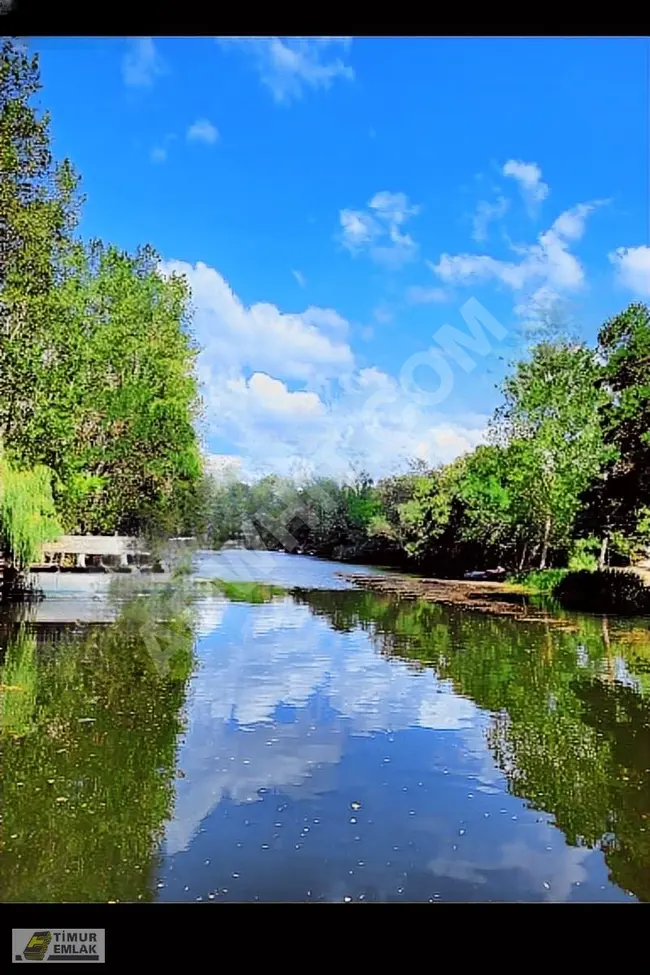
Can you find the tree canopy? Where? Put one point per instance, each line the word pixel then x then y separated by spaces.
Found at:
pixel 98 392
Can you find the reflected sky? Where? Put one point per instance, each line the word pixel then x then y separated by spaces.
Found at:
pixel 318 744
pixel 315 768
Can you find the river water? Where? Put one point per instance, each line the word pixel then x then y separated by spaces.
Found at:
pixel 280 736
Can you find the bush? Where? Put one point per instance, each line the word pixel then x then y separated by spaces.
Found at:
pixel 604 591
pixel 584 555
pixel 542 580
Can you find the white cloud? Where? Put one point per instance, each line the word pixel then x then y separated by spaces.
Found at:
pixel 300 278
pixel 418 295
pixel 141 64
pixel 286 393
pixel 548 262
pixel 393 207
pixel 260 337
pixel 325 318
pixel 359 229
pixel 529 176
pixel 203 131
pixel 289 65
pixel 266 400
pixel 632 266
pixel 377 231
pixel 485 213
pixel 372 423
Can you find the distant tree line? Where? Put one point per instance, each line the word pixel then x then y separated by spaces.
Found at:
pixel 564 478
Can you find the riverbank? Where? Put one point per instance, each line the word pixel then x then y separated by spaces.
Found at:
pixel 496 598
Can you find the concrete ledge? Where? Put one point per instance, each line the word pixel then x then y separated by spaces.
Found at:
pixel 96 545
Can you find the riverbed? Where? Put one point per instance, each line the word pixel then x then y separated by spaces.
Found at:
pixel 284 735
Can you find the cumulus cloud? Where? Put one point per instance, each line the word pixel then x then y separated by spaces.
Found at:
pixel 529 177
pixel 290 65
pixel 547 262
pixel 632 266
pixel 377 230
pixel 203 131
pixel 260 337
pixel 372 423
pixel 141 64
pixel 285 391
pixel 486 213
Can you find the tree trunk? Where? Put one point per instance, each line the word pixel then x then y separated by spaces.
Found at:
pixel 522 560
pixel 602 558
pixel 547 534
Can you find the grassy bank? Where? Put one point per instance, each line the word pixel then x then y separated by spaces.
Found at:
pixel 597 590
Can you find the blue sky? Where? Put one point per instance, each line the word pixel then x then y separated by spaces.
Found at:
pixel 334 202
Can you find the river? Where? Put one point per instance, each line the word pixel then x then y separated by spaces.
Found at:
pixel 281 736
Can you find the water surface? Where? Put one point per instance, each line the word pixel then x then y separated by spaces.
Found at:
pixel 244 742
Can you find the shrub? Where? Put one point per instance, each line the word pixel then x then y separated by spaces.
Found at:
pixel 603 591
pixel 583 555
pixel 541 580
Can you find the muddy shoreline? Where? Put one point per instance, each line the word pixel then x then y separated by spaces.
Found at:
pixel 494 598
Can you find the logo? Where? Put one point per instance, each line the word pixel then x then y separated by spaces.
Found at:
pixel 37 945
pixel 57 945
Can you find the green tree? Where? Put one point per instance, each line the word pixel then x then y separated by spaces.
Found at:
pixel 38 212
pixel 624 344
pixel 550 421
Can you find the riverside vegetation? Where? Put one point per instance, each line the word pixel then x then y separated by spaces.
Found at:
pixel 98 395
pixel 99 402
pixel 289 739
pixel 563 484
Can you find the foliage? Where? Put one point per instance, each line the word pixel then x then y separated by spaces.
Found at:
pixel 551 418
pixel 27 514
pixel 606 590
pixel 97 368
pixel 583 554
pixel 539 581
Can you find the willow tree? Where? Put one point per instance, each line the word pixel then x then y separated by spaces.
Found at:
pixel 27 519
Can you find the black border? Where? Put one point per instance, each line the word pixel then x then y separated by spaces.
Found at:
pixel 214 934
pixel 34 18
